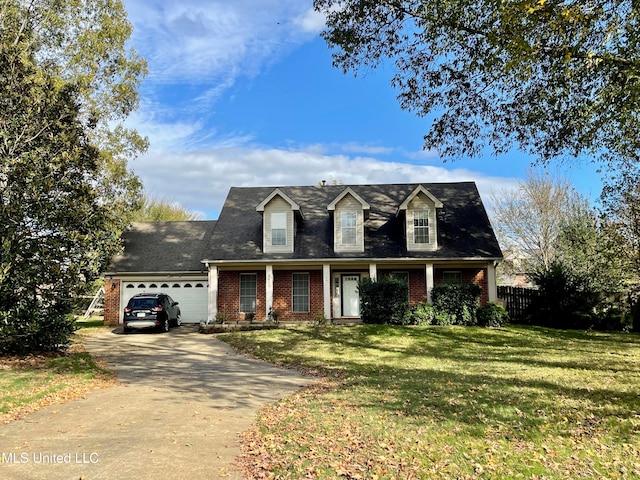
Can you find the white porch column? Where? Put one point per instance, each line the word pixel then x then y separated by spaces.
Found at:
pixel 268 289
pixel 429 280
pixel 373 272
pixel 491 282
pixel 213 292
pixel 326 290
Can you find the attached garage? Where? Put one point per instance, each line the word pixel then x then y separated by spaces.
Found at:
pixel 161 257
pixel 191 294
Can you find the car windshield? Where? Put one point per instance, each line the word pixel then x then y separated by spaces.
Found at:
pixel 142 303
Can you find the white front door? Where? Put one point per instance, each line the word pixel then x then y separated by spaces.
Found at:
pixel 350 296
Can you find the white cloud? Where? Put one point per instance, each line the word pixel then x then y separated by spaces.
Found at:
pixel 181 135
pixel 366 149
pixel 200 180
pixel 199 41
pixel 310 21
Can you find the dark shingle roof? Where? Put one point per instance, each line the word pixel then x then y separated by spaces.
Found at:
pixel 164 247
pixel 464 229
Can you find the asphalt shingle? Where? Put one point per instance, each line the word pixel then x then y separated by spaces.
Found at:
pixel 464 230
pixel 164 247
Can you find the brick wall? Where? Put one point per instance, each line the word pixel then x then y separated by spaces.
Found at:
pixel 283 295
pixel 229 295
pixel 111 301
pixel 417 286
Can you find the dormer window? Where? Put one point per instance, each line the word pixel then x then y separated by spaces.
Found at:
pixel 278 228
pixel 420 219
pixel 350 211
pixel 349 225
pixel 279 216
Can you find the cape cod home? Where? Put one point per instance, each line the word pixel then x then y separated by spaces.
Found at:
pixel 301 251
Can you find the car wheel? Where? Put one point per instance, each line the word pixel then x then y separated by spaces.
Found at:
pixel 178 320
pixel 166 325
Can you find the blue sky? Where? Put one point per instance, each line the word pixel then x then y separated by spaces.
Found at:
pixel 243 93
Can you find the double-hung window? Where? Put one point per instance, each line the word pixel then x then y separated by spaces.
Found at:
pixel 349 221
pixel 248 292
pixel 421 226
pixel 278 228
pixel 452 277
pixel 300 292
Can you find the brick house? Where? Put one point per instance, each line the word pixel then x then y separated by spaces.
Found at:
pixel 302 250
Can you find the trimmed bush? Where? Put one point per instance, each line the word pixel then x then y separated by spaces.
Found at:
pixel 422 314
pixel 492 315
pixel 443 319
pixel 457 300
pixel 384 301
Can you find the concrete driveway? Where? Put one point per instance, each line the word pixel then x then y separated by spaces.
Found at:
pixel 183 400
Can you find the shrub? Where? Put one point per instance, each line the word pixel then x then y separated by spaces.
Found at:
pixel 319 318
pixel 221 318
pixel 422 314
pixel 565 299
pixel 442 319
pixel 25 329
pixel 492 315
pixel 384 301
pixel 613 319
pixel 458 300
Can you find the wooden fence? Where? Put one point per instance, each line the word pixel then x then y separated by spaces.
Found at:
pixel 516 300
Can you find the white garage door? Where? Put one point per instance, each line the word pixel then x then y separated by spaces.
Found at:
pixel 190 294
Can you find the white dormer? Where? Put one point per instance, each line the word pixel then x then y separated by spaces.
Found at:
pixel 349 214
pixel 278 222
pixel 420 224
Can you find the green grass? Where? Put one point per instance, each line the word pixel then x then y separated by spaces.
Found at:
pixel 91 322
pixel 450 402
pixel 28 383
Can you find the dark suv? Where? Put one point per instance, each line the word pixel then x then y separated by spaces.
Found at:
pixel 155 311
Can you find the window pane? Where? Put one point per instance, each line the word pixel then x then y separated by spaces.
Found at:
pixel 451 277
pixel 421 226
pixel 348 223
pixel 300 292
pixel 278 237
pixel 401 276
pixel 278 228
pixel 248 291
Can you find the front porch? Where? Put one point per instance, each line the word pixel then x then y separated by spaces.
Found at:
pixel 328 292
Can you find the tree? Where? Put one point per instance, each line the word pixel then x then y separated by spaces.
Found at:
pixel 620 215
pixel 530 220
pixel 84 43
pixel 564 300
pixel 157 209
pixel 621 218
pixel 553 77
pixel 585 249
pixel 58 159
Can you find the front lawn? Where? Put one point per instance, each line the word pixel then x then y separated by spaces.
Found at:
pixel 449 402
pixel 30 382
